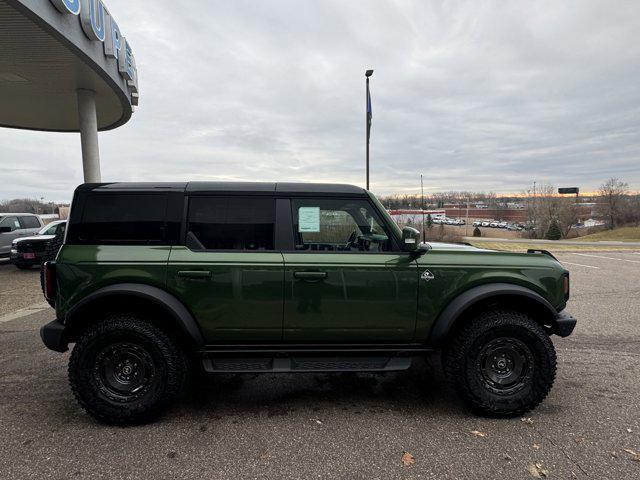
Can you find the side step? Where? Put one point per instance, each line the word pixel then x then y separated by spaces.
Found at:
pixel 305 364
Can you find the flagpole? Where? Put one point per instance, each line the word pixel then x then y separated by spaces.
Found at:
pixel 367 74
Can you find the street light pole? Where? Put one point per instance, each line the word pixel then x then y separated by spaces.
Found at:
pixel 369 115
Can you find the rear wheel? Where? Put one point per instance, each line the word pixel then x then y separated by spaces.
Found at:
pixel 502 363
pixel 125 370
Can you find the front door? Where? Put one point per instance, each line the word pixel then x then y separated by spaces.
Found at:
pixel 229 274
pixel 347 282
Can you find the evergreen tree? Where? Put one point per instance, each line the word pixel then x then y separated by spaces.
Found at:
pixel 554 232
pixel 477 232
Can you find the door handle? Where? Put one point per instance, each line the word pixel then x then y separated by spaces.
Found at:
pixel 195 274
pixel 310 275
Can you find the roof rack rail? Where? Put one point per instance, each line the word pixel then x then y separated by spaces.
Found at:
pixel 542 252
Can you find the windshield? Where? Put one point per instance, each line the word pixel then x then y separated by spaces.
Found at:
pixel 49 229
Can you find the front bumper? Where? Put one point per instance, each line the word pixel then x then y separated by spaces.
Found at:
pixel 53 336
pixel 564 324
pixel 18 257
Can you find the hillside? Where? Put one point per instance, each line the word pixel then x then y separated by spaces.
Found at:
pixel 623 234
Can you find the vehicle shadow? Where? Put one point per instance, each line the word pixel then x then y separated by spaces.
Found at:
pixel 420 388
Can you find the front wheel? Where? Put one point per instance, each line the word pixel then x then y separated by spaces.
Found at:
pixel 502 363
pixel 125 370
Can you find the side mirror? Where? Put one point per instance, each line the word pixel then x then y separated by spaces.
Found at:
pixel 410 239
pixel 5 230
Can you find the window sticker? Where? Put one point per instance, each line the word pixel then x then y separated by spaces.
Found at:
pixel 309 219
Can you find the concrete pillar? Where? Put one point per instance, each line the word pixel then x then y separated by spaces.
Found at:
pixel 89 135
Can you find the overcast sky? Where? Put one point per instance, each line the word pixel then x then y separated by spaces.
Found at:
pixel 476 95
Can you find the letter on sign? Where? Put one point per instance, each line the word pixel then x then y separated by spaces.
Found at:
pixel 67 6
pixel 125 61
pixel 92 19
pixel 113 42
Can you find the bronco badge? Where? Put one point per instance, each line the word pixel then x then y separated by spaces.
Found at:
pixel 427 276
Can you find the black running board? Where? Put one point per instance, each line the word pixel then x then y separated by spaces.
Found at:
pixel 305 364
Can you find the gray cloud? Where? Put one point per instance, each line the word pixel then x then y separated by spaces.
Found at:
pixel 476 95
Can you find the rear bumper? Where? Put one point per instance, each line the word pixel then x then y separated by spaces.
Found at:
pixel 564 324
pixel 53 336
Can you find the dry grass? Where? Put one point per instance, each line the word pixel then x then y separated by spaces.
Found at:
pixel 523 247
pixel 623 234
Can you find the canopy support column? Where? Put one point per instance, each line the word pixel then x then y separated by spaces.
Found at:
pixel 89 135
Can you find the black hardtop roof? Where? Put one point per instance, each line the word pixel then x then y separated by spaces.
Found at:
pixel 232 187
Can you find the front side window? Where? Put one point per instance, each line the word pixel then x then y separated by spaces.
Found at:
pixel 231 223
pixel 11 222
pixel 338 226
pixel 121 219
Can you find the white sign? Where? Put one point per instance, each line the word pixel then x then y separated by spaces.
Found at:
pixel 309 219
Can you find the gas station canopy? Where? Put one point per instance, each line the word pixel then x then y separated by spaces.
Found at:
pixel 50 51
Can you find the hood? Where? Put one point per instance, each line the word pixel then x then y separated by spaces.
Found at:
pixel 34 237
pixel 455 247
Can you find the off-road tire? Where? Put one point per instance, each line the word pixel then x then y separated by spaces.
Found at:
pixel 466 363
pixel 164 362
pixel 50 254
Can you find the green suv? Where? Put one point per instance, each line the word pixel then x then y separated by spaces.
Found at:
pixel 156 280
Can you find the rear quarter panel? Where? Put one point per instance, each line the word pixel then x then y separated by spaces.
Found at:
pixel 83 269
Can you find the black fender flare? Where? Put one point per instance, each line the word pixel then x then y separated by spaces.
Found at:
pixel 445 321
pixel 174 307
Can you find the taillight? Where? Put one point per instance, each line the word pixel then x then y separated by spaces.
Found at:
pixel 565 285
pixel 50 281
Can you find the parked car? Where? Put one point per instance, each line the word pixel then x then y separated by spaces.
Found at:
pixel 502 225
pixel 485 224
pixel 287 277
pixel 494 224
pixel 477 223
pixel 28 251
pixel 16 225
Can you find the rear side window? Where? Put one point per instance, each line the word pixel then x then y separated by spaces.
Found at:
pixel 30 222
pixel 231 223
pixel 125 219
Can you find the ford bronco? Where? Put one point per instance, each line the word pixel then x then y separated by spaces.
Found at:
pixel 156 280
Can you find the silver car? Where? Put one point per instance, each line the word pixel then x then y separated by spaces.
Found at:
pixel 16 225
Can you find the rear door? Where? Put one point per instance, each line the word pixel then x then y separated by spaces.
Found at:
pixel 228 273
pixel 346 279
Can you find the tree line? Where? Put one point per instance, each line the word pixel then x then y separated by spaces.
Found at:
pixel 28 205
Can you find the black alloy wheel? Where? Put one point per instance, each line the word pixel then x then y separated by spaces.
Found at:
pixel 506 365
pixel 124 371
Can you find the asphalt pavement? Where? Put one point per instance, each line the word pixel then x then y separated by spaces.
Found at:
pixel 340 426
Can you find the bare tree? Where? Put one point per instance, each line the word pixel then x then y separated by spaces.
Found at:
pixel 612 199
pixel 568 215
